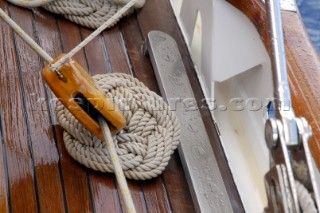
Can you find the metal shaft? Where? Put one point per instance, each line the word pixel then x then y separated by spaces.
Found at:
pixel 282 102
pixel 280 77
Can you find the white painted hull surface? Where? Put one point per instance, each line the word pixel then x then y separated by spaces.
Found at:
pixel 235 73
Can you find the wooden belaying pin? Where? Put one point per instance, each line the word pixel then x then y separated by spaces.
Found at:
pixel 78 92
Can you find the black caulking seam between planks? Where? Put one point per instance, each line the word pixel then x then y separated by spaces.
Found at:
pixel 51 112
pixel 26 118
pixel 5 163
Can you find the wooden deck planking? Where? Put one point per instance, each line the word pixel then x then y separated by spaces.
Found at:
pixel 78 197
pixel 4 199
pixel 48 37
pixel 96 54
pixel 116 50
pixel 74 176
pixel 18 154
pixel 41 136
pixel 141 65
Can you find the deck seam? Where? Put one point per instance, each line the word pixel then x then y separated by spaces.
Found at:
pixel 108 63
pixel 51 113
pixel 144 199
pixel 118 195
pixel 55 136
pixel 4 157
pixel 105 51
pixel 88 172
pixel 30 147
pixel 129 61
pixel 124 46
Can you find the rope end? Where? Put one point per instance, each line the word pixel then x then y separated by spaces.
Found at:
pixel 138 3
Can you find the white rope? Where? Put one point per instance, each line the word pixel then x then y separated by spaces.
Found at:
pixel 115 17
pixel 144 147
pixel 88 13
pixel 37 3
pixel 29 3
pixel 124 189
pixel 305 199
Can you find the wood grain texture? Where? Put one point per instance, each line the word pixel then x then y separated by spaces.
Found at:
pixel 48 37
pixel 74 177
pixel 41 136
pixel 302 63
pixel 20 166
pixel 4 198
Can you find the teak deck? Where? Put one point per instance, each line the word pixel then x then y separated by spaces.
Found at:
pixel 36 172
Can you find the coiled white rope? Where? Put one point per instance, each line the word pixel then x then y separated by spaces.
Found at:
pixel 88 13
pixel 306 201
pixel 144 147
pixel 29 3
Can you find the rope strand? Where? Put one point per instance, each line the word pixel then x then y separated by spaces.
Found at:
pixel 305 199
pixel 124 189
pixel 29 3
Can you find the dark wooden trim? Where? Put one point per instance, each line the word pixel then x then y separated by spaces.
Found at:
pixel 302 63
